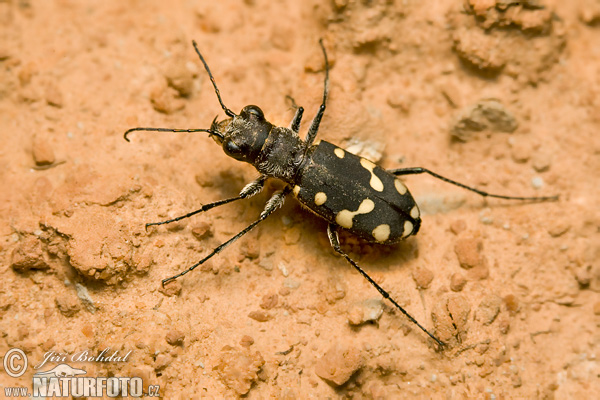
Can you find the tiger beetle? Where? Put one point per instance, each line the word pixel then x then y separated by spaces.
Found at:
pixel 348 191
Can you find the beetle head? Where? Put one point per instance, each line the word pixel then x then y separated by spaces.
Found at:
pixel 243 136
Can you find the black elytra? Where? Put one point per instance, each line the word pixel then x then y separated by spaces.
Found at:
pixel 348 191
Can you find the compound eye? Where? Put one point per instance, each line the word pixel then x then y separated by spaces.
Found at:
pixel 231 148
pixel 253 112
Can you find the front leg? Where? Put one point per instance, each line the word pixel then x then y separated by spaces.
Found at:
pixel 295 125
pixel 251 189
pixel 275 202
pixel 314 126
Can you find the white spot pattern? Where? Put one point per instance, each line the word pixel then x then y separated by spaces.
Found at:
pixel 344 217
pixel 415 212
pixel 408 228
pixel 400 187
pixel 375 181
pixel 320 198
pixel 381 233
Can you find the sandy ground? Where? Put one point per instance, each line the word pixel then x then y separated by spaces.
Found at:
pixel 501 96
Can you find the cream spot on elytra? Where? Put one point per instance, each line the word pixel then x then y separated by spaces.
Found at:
pixel 415 212
pixel 408 228
pixel 339 152
pixel 400 187
pixel 381 233
pixel 344 217
pixel 375 181
pixel 296 190
pixel 320 198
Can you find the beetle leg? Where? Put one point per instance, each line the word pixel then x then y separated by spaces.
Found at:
pixel 314 126
pixel 419 170
pixel 335 243
pixel 272 205
pixel 249 190
pixel 295 125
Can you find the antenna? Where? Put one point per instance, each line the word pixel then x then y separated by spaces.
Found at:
pixel 212 132
pixel 227 110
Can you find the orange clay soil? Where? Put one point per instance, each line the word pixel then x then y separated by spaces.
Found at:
pixel 501 96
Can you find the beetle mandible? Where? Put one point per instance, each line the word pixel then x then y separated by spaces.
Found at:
pixel 348 191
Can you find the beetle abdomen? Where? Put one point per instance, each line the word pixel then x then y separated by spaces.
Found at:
pixel 357 195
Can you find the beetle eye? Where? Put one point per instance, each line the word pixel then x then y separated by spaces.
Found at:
pixel 231 148
pixel 252 112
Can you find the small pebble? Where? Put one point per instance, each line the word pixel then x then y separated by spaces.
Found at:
pixel 485 115
pixel 180 77
pixel 239 368
pixel 369 149
pixel 283 269
pixel 175 338
pixel 172 289
pixel 516 381
pixel 165 99
pixel 450 317
pixel 269 301
pixel 266 263
pixel 468 250
pixel 458 226
pixel 85 297
pixel 511 302
pixel 53 95
pixel 250 249
pixel 521 151
pixel 398 100
pixel 488 309
pixel 457 282
pixel 541 161
pixel 504 325
pixel 42 152
pixel 246 341
pixel 68 305
pixel 454 379
pixel 259 315
pixel 162 361
pixel 537 182
pixel 339 363
pixel 202 230
pixel 88 330
pixel 559 228
pixel 284 291
pixel 583 276
pixel 590 13
pixel 28 255
pixel 365 311
pixel 423 277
